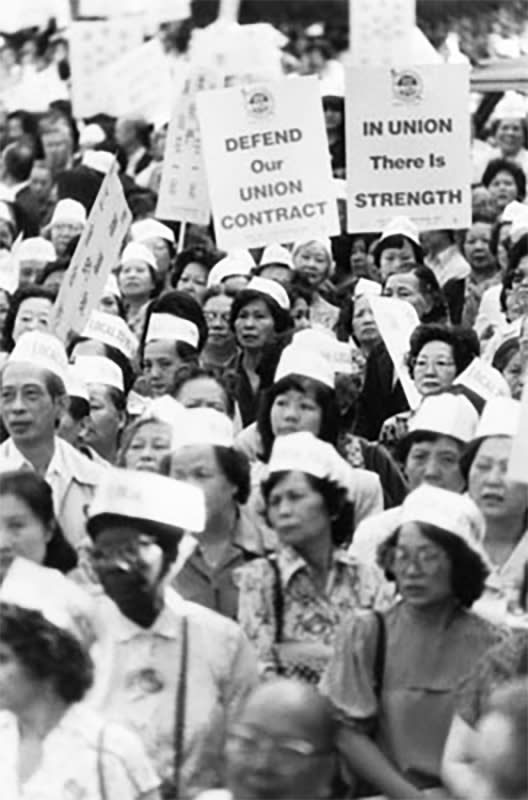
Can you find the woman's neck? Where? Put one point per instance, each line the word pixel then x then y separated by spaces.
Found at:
pixel 219 353
pixel 317 552
pixel 502 536
pixel 38 719
pixel 435 614
pixel 484 274
pixel 251 359
pixel 218 533
pixel 134 304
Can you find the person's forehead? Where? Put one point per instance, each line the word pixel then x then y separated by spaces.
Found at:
pixel 22 373
pixel 436 443
pixel 218 302
pixel 282 717
pixel 205 387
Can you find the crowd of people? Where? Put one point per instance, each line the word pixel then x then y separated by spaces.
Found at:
pixel 237 560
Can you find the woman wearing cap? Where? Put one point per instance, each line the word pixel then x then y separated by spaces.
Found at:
pixel 53 744
pixel 290 605
pixel 276 264
pixel 203 454
pixel 356 320
pixel 397 248
pixel 103 427
pixel 392 677
pixel 149 438
pixel 175 332
pixel 220 352
pixel 504 505
pixel 191 271
pixel 506 182
pixel 313 263
pixel 160 241
pixel 259 315
pixel 29 310
pixel 232 272
pixel 507 360
pixel 138 282
pixel 175 672
pixel 68 221
pixel 436 356
pixel 199 387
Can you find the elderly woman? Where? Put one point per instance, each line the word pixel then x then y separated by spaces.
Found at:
pixel 199 387
pixel 220 352
pixel 392 675
pixel 436 356
pixel 175 332
pixel 160 241
pixel 191 271
pixel 506 182
pixel 291 604
pixel 503 503
pixel 259 314
pixel 507 360
pixel 175 671
pixel 397 248
pixel 148 439
pixel 53 744
pixel 313 263
pixel 138 282
pixel 203 454
pixel 29 310
pixel 67 222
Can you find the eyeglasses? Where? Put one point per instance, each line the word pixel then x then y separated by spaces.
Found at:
pixel 211 316
pixel 425 558
pixel 287 753
pixel 441 364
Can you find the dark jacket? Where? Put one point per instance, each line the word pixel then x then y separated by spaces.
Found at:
pixel 381 396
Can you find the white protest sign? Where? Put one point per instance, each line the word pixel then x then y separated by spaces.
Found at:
pixel 396 320
pixel 518 463
pixel 408 140
pixel 94 257
pixel 267 161
pixel 380 30
pixel 93 45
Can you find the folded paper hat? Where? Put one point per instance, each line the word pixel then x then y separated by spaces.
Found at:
pixel 75 384
pixel 68 211
pixel 366 287
pixel 299 360
pixel 146 229
pixel 235 263
pixel 400 226
pixel 168 326
pixel 484 380
pixel 324 242
pixel 42 350
pixel 446 415
pixel 519 226
pixel 500 417
pixel 272 289
pixel 36 248
pixel 204 426
pixel 512 211
pixel 512 105
pixel 91 135
pixel 99 160
pixel 98 369
pixel 61 601
pixel 9 271
pixel 147 498
pixel 449 511
pixel 135 251
pixel 276 254
pixel 165 409
pixel 323 342
pixel 112 330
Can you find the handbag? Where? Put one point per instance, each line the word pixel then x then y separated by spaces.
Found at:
pixel 289 662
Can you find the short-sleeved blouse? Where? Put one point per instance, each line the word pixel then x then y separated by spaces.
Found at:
pixel 423 667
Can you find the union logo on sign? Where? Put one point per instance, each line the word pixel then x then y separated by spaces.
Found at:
pixel 259 102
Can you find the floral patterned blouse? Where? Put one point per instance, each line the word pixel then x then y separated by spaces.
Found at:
pixel 310 617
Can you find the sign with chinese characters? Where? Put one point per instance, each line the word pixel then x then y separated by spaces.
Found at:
pixel 95 256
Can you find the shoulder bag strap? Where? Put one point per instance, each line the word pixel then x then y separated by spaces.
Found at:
pixel 379 658
pixel 100 766
pixel 278 599
pixel 181 703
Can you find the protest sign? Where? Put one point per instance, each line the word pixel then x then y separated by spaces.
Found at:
pixel 267 161
pixel 518 463
pixel 380 30
pixel 396 320
pixel 93 45
pixel 483 379
pixel 408 145
pixel 95 255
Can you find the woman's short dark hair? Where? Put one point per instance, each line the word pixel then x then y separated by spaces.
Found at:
pixel 324 396
pixel 193 372
pixel 339 507
pixel 47 652
pixel 235 466
pixel 463 342
pixel 399 241
pixel 505 353
pixel 515 255
pixel 36 493
pixel 497 165
pixel 24 293
pixel 182 305
pixel 417 437
pixel 281 317
pixel 60 265
pixel 430 287
pixel 192 255
pixel 468 570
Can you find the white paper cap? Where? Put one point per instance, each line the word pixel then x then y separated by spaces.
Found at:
pixel 167 326
pixel 113 330
pixel 164 409
pixel 519 226
pixel 366 287
pixel 6 214
pixel 59 600
pixel 298 360
pixel 338 355
pixel 401 226
pixel 325 243
pixel 270 288
pixel 75 384
pixel 69 211
pixel 484 380
pixel 9 271
pixel 111 286
pixel 447 415
pixel 98 369
pixel 204 426
pixel 91 135
pixel 146 229
pixel 235 263
pixel 500 417
pixel 41 350
pixel 512 105
pixel 452 512
pixel 304 452
pixel 147 496
pixel 134 251
pixel 36 248
pixel 276 254
pixel 98 160
pixel 513 210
